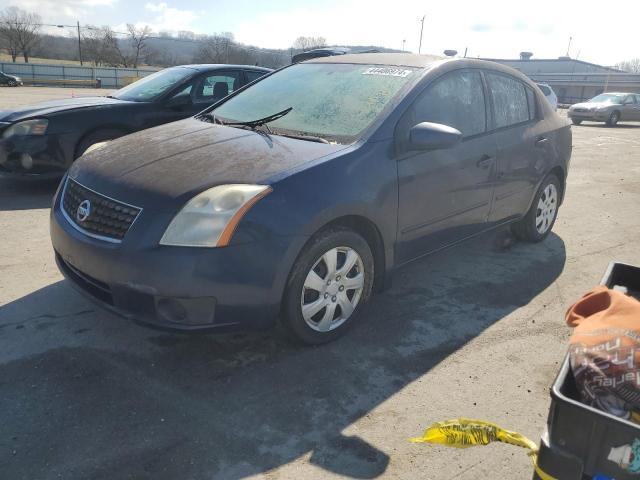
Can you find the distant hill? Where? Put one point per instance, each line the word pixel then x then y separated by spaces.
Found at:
pixel 168 51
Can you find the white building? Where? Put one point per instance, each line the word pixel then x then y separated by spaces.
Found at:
pixel 573 80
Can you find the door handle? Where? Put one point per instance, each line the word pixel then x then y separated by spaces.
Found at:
pixel 541 142
pixel 484 160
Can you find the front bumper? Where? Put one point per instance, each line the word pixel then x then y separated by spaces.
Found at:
pixel 35 156
pixel 176 287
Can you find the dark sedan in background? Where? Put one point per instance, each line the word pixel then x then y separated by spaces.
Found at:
pixel 10 80
pixel 44 139
pixel 280 203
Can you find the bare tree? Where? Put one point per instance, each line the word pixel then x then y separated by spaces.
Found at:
pixel 19 31
pixel 630 66
pixel 309 43
pixel 138 38
pixel 9 41
pixel 216 48
pixel 102 47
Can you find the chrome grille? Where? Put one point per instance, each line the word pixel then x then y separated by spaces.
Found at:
pixel 108 219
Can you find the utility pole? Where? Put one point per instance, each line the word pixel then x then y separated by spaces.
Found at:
pixel 79 44
pixel 403 42
pixel 421 29
pixel 569 46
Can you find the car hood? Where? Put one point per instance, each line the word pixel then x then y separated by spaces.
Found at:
pixel 55 106
pixel 161 168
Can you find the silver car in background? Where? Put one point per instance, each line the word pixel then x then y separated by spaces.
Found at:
pixel 610 107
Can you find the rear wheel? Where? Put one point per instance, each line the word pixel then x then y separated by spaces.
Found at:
pixel 329 286
pixel 539 220
pixel 575 121
pixel 614 118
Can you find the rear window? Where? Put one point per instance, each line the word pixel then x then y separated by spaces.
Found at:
pixel 253 75
pixel 330 100
pixel 510 104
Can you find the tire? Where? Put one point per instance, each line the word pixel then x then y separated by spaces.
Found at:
pixel 614 118
pixel 536 225
pixel 98 136
pixel 308 289
pixel 575 121
pixel 12 83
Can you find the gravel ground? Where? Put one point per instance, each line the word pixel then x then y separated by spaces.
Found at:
pixel 474 331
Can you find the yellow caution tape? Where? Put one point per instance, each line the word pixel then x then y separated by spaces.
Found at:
pixel 465 433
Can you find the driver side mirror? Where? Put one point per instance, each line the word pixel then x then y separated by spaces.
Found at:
pixel 433 136
pixel 178 102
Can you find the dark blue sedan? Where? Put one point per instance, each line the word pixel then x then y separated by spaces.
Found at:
pixel 296 197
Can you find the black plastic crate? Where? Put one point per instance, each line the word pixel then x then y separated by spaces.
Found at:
pixel 579 438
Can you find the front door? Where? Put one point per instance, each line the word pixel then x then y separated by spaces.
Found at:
pixel 445 195
pixel 628 108
pixel 214 86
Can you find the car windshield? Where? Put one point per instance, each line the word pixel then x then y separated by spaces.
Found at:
pixel 151 87
pixel 333 101
pixel 607 98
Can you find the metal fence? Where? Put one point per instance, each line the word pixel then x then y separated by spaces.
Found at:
pixel 41 74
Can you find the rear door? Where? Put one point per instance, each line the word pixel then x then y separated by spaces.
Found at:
pixel 521 143
pixel 445 195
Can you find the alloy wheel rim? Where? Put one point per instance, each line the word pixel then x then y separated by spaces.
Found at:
pixel 547 207
pixel 332 289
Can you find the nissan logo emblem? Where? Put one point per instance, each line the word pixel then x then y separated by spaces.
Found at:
pixel 84 210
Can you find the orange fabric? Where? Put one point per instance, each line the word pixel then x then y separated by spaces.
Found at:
pixel 605 350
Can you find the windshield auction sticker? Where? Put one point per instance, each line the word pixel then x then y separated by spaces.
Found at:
pixel 386 71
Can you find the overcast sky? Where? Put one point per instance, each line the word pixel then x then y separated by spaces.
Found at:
pixel 488 28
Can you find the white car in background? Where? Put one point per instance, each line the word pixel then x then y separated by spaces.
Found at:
pixel 549 94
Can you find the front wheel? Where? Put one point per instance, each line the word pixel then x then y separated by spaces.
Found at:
pixel 329 286
pixel 12 83
pixel 539 220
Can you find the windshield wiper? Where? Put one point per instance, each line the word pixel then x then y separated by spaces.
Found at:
pixel 252 123
pixel 309 138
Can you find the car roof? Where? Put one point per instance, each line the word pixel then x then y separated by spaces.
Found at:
pixel 391 59
pixel 425 62
pixel 213 66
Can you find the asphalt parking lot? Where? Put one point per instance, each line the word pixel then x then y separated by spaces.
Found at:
pixel 474 331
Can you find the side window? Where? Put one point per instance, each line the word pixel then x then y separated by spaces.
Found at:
pixel 509 99
pixel 456 100
pixel 253 75
pixel 629 99
pixel 637 98
pixel 213 87
pixel 531 100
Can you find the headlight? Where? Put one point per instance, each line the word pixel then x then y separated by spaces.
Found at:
pixel 28 127
pixel 210 218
